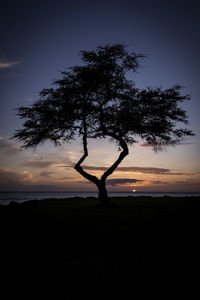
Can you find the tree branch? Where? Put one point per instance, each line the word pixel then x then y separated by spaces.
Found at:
pixel 118 161
pixel 122 143
pixel 78 167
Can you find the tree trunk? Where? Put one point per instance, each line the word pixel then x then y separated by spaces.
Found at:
pixel 101 183
pixel 103 195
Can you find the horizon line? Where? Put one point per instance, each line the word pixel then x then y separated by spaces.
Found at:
pixel 55 191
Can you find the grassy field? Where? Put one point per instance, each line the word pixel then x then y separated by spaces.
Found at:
pixel 141 245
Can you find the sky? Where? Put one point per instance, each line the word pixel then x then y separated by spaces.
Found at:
pixel 41 38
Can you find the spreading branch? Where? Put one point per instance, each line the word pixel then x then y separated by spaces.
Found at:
pixel 122 155
pixel 78 167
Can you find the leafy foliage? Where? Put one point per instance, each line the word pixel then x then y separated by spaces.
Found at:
pixel 98 98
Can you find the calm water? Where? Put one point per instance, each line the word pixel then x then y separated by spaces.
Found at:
pixel 7 197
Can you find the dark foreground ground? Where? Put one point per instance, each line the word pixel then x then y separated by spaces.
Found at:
pixel 142 245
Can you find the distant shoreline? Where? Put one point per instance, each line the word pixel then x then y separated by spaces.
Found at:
pixel 119 192
pixel 19 197
pixel 93 199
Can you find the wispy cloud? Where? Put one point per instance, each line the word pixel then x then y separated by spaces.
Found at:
pixel 141 170
pixel 9 64
pixel 8 147
pixel 12 178
pixel 159 182
pixel 37 164
pixel 183 143
pixel 188 182
pixel 71 179
pixel 46 174
pixel 122 181
pixel 145 145
pixel 41 164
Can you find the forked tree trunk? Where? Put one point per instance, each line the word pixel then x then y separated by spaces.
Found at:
pixel 101 183
pixel 104 200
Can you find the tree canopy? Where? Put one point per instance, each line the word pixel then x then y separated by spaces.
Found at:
pixel 96 100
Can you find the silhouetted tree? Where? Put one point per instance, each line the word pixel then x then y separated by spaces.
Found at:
pixel 96 100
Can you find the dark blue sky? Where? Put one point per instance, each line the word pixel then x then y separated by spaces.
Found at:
pixel 39 38
pixel 46 37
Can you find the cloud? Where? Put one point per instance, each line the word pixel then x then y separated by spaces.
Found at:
pixel 69 152
pixel 8 147
pixel 41 164
pixel 142 170
pixel 188 182
pixel 46 174
pixel 45 161
pixel 186 143
pixel 145 145
pixel 24 181
pixel 122 181
pixel 37 164
pixel 159 182
pixel 71 179
pixel 183 143
pixel 9 64
pixel 146 170
pixel 10 178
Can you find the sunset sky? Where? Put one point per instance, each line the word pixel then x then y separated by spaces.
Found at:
pixel 40 38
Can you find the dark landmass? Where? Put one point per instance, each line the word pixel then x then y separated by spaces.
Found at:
pixel 140 246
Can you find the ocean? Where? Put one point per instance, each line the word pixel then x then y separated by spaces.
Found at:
pixel 7 197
